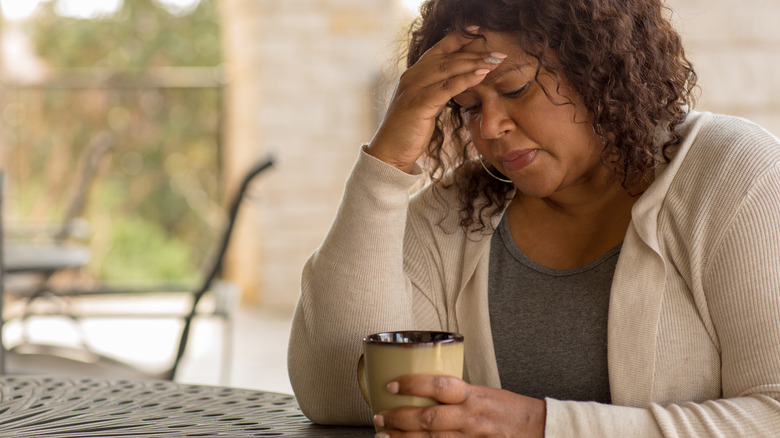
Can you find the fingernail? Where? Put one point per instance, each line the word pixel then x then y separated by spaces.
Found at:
pixel 495 58
pixel 379 420
pixel 472 29
pixel 381 435
pixel 393 387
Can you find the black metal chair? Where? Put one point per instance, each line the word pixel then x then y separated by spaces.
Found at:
pixel 28 358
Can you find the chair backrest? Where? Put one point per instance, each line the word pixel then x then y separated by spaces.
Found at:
pixel 89 163
pixel 213 268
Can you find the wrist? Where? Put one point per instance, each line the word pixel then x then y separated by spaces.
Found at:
pixel 378 153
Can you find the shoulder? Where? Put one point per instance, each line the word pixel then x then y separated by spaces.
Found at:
pixel 726 172
pixel 724 162
pixel 721 137
pixel 726 149
pixel 726 127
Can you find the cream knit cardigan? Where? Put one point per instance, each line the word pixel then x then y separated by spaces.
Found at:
pixel 694 316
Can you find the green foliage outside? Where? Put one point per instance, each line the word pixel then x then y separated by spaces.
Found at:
pixel 141 34
pixel 154 209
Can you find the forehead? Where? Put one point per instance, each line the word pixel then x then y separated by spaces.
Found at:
pixel 506 43
pixel 494 42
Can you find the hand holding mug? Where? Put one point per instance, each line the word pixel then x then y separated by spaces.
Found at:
pixel 464 410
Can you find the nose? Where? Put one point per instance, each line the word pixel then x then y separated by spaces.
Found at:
pixel 495 121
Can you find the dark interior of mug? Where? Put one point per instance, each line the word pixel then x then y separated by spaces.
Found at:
pixel 414 337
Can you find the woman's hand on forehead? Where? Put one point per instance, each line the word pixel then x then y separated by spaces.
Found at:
pixel 442 72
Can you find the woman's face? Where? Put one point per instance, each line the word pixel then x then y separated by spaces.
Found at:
pixel 543 143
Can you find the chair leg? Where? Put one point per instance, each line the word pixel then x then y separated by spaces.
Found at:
pixel 227 349
pixel 226 301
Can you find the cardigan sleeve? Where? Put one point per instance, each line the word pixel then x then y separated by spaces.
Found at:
pixel 742 287
pixel 353 285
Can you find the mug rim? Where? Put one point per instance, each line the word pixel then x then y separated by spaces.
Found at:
pixel 440 337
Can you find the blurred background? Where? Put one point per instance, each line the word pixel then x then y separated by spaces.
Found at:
pixel 181 97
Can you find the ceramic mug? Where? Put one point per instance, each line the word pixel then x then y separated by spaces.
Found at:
pixel 389 355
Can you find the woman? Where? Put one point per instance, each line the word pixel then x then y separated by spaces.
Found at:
pixel 610 255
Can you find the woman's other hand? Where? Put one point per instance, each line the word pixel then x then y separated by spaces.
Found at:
pixel 466 410
pixel 422 93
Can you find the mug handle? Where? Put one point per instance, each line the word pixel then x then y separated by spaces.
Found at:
pixel 362 380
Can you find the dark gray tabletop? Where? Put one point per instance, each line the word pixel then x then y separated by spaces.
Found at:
pixel 56 407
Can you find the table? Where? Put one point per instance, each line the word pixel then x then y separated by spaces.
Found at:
pixel 32 258
pixel 59 407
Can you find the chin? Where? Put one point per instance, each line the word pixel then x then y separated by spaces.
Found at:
pixel 538 184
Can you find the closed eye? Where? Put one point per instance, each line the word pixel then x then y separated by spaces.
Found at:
pixel 474 107
pixel 517 93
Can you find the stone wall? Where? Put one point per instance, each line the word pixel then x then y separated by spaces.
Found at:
pixel 303 80
pixel 735 49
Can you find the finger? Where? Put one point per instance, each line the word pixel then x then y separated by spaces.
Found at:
pixel 432 93
pixel 440 80
pixel 438 94
pixel 434 418
pixel 454 41
pixel 445 389
pixel 436 69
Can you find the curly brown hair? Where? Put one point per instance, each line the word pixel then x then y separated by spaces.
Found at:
pixel 623 57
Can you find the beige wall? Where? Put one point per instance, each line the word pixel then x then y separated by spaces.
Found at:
pixel 735 48
pixel 303 75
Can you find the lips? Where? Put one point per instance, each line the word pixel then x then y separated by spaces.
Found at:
pixel 516 160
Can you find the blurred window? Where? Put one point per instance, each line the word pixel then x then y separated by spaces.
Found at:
pixel 148 73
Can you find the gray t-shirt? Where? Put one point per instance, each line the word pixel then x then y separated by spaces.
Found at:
pixel 549 326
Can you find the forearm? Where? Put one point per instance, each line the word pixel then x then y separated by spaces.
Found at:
pixel 352 285
pixel 591 419
pixel 754 416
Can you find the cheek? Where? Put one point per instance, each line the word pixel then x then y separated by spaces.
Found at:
pixel 562 127
pixel 471 120
pixel 472 124
pixel 578 147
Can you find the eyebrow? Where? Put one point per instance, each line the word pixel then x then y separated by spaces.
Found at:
pixel 501 71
